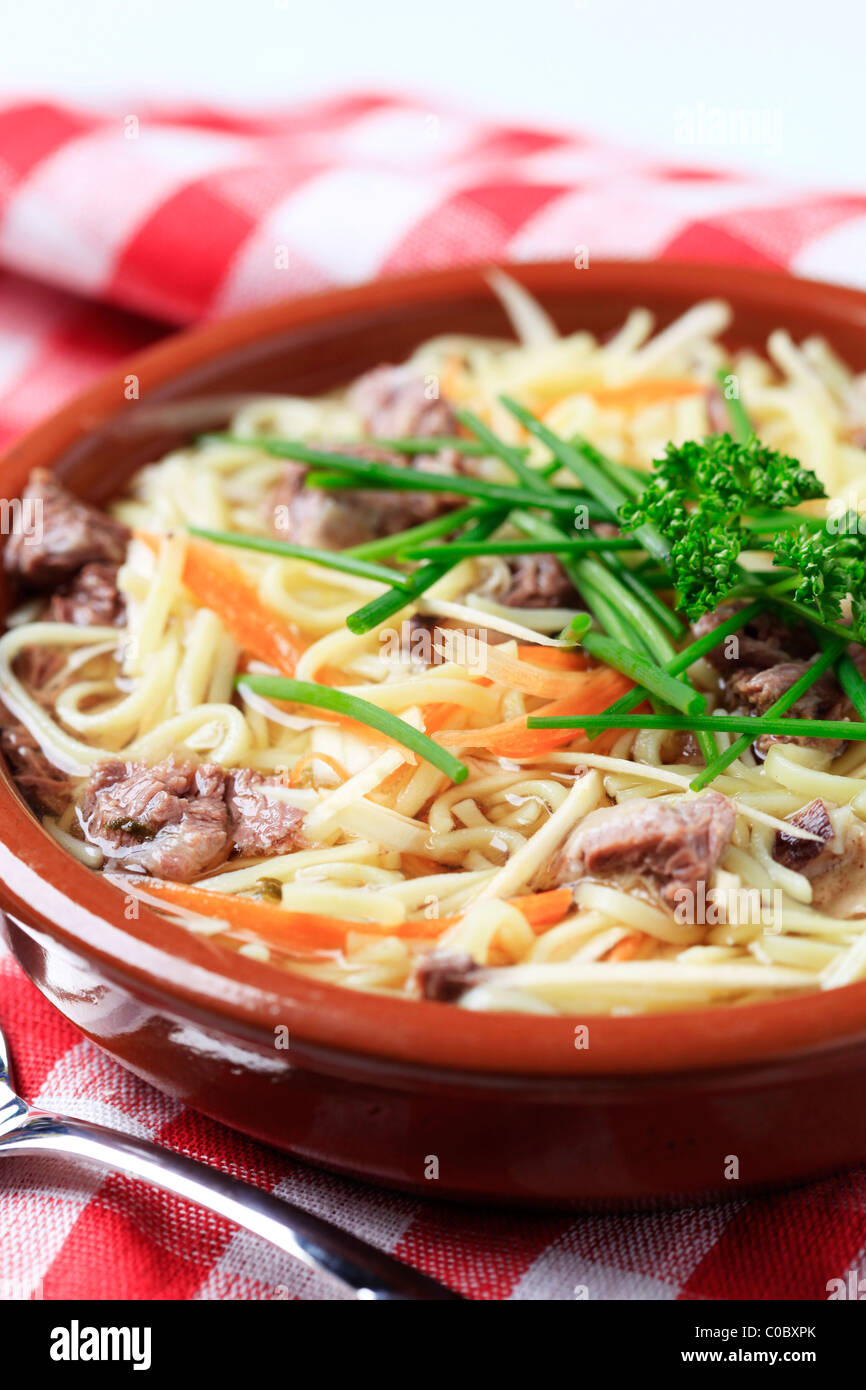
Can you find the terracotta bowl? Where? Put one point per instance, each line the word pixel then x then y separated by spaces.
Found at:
pixel 650 1111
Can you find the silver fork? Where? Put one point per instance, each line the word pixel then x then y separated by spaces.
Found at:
pixel 368 1272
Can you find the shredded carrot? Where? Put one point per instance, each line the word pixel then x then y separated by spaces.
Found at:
pixel 640 394
pixel 543 909
pixel 596 690
pixel 634 396
pixel 301 932
pixel 218 583
pixel 304 933
pixel 628 947
pixel 525 675
pixel 558 658
pixel 435 716
pixel 450 376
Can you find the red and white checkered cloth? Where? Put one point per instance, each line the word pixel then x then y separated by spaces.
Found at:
pixel 114 225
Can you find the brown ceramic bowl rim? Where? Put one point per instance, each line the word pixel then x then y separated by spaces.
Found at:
pixel 63 902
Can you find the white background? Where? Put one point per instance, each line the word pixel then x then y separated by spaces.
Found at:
pixel 775 85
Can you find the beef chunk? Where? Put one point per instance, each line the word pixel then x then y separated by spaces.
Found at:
pixel 68 534
pixel 539 581
pixel 260 824
pixel 793 852
pixel 170 820
pixel 393 403
pixel 838 875
pixel 765 661
pixel 175 820
pixel 753 692
pixel 835 865
pixel 337 520
pixel 676 844
pixel 763 642
pixel 687 750
pixel 43 786
pixel 90 599
pixel 748 691
pixel 444 977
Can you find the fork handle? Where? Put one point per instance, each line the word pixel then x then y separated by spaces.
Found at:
pixel 370 1273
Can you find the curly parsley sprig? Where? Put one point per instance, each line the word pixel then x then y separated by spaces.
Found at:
pixel 832 568
pixel 697 497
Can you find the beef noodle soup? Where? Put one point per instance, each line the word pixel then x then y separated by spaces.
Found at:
pixel 519 676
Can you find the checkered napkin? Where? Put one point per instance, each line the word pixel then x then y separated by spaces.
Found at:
pixel 116 225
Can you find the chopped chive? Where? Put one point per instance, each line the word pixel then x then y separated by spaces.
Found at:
pixel 434 445
pixel 338 702
pixel 596 586
pixel 562 546
pixel 577 628
pixel 380 609
pixel 650 632
pixel 330 559
pixel 651 677
pixel 847 673
pixel 579 462
pixel 513 457
pixel 621 607
pixel 741 424
pixel 660 611
pixel 593 510
pixel 407 479
pixel 790 697
pixel 852 683
pixel 597 598
pixel 615 623
pixel 631 581
pixel 335 482
pixel 688 656
pixel 427 530
pixel 712 723
pixel 632 480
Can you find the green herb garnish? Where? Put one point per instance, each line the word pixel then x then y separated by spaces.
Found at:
pixel 687 657
pixel 270 890
pixel 711 723
pixel 650 677
pixel 364 711
pixel 415 535
pixel 741 425
pixel 391 475
pixel 380 609
pixel 136 828
pixel 832 568
pixel 813 673
pixel 330 559
pixel 562 545
pixel 697 497
pixel 583 462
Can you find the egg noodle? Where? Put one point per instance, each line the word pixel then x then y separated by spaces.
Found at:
pixel 403 857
